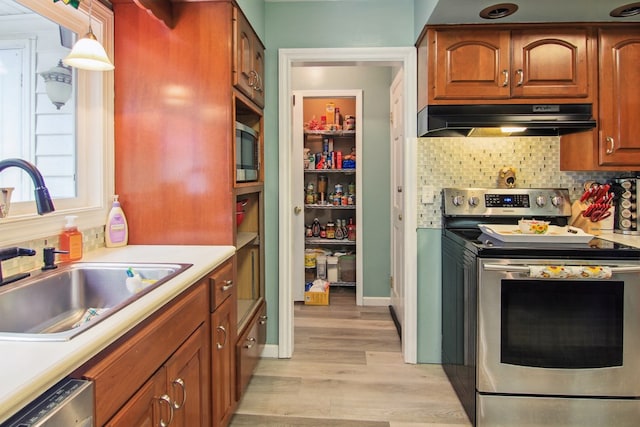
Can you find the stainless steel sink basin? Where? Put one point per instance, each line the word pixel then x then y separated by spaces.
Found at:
pixel 60 304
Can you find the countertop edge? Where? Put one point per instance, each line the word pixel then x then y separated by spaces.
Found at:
pixel 30 368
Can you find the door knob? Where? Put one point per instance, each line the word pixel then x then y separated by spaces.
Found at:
pixel 297 210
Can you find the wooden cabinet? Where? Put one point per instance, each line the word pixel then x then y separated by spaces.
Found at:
pixel 223 339
pixel 182 82
pixel 505 65
pixel 614 144
pixel 619 127
pixel 159 371
pixel 248 70
pixel 174 394
pixel 249 347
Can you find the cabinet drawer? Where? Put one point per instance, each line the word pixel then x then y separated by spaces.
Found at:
pixel 249 347
pixel 126 365
pixel 222 283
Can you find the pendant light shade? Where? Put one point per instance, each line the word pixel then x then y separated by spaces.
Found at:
pixel 88 53
pixel 58 84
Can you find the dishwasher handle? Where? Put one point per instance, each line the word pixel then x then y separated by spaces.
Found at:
pixel 508 268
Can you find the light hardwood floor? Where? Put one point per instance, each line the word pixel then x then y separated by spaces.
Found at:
pixel 347 370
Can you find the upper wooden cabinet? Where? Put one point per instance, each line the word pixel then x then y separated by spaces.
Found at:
pixel 619 127
pixel 500 65
pixel 248 63
pixel 614 144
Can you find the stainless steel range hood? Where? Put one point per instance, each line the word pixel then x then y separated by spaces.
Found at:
pixel 483 120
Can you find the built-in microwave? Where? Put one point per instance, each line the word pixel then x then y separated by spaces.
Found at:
pixel 247 153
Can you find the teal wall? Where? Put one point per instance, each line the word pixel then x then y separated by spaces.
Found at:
pixel 429 295
pixel 375 230
pixel 313 25
pixel 254 11
pixel 422 12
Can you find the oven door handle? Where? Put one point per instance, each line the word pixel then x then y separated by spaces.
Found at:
pixel 526 268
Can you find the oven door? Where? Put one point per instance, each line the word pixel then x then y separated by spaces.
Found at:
pixel 558 336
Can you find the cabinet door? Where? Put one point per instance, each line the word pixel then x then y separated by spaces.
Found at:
pixel 619 107
pixel 258 67
pixel 551 64
pixel 188 381
pixel 147 407
pixel 223 335
pixel 248 349
pixel 469 64
pixel 249 60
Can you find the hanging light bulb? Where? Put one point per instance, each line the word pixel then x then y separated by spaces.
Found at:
pixel 88 53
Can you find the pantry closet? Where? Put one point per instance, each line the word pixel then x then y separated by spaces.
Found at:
pixel 327 139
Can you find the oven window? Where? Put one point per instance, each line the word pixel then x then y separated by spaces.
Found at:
pixel 562 324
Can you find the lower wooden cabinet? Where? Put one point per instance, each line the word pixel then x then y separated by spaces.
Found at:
pixel 159 371
pixel 249 347
pixel 223 338
pixel 176 394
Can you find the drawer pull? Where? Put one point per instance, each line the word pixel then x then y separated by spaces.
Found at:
pixel 228 284
pixel 520 75
pixel 166 399
pixel 224 341
pixel 251 341
pixel 180 382
pixel 505 82
pixel 610 145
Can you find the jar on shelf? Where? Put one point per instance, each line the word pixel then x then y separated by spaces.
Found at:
pixel 310 197
pixel 331 230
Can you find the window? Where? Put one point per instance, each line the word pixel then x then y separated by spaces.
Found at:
pixel 73 146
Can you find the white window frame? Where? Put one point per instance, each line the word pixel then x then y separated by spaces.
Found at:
pixel 95 134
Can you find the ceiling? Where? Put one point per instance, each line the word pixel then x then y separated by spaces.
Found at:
pixel 467 11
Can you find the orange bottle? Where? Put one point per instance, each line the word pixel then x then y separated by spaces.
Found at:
pixel 71 240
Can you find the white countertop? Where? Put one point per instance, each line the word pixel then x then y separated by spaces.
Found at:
pixel 29 368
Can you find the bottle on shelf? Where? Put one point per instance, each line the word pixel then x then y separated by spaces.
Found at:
pixel 315 227
pixel 351 230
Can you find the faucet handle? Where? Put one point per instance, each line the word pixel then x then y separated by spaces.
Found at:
pixel 49 257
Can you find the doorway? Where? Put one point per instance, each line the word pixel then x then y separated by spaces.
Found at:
pixel 400 59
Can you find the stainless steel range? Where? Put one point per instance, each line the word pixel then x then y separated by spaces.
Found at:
pixel 537 330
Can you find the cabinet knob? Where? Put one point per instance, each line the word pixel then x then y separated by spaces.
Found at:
pixel 297 210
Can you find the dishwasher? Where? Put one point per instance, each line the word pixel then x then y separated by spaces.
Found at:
pixel 69 403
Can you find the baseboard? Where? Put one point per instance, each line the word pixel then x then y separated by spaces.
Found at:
pixel 376 301
pixel 270 351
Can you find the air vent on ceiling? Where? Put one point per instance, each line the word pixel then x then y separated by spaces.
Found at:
pixel 626 10
pixel 498 11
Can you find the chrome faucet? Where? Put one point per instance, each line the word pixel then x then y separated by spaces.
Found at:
pixel 43 200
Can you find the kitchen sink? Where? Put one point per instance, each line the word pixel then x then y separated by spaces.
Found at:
pixel 60 304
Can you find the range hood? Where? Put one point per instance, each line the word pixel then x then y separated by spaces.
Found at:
pixel 487 120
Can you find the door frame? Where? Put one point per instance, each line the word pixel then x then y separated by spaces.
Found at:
pixel 405 57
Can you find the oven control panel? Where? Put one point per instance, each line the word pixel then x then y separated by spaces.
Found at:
pixel 506 202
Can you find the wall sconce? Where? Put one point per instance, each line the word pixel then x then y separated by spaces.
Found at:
pixel 58 84
pixel 88 53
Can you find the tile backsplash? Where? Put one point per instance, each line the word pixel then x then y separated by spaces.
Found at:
pixel 91 239
pixel 476 162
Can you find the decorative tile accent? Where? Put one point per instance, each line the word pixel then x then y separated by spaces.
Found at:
pixel 476 162
pixel 91 239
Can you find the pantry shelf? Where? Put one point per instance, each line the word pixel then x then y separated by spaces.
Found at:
pixel 324 242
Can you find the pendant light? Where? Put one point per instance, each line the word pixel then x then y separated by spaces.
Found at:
pixel 88 53
pixel 57 81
